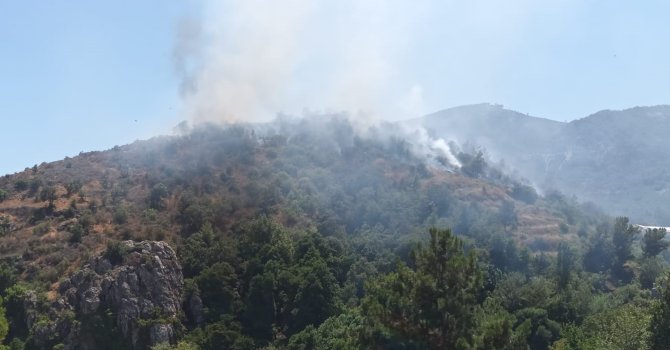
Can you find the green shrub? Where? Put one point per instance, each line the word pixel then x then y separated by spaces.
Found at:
pixel 120 215
pixel 73 187
pixel 158 193
pixel 41 229
pixel 21 185
pixel 524 193
pixel 115 252
pixel 76 233
pixel 5 225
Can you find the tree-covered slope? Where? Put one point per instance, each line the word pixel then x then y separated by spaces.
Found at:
pixel 307 234
pixel 324 178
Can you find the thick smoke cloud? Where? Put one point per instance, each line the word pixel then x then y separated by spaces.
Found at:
pixel 247 60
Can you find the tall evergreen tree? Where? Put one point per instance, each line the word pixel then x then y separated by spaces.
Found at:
pixel 623 236
pixel 653 242
pixel 435 301
pixel 564 264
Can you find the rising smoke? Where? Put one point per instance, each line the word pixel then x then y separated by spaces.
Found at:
pixel 248 60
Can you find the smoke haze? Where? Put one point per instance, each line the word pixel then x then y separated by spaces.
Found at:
pixel 249 60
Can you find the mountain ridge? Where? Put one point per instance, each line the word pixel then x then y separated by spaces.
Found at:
pixel 580 157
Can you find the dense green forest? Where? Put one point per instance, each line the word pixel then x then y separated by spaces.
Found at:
pixel 304 234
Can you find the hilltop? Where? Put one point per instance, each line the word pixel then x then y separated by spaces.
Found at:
pixel 332 181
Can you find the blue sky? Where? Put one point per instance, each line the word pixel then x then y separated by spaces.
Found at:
pixel 87 75
pixel 75 75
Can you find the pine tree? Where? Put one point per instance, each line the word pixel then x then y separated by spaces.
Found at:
pixel 654 242
pixel 435 302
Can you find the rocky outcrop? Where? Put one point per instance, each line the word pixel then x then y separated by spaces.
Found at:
pixel 138 284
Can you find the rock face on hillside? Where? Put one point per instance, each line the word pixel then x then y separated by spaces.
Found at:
pixel 138 285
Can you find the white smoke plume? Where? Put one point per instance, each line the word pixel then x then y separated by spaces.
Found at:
pixel 236 62
pixel 442 147
pixel 425 146
pixel 247 60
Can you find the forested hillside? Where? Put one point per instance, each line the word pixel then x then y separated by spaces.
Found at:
pixel 617 159
pixel 311 234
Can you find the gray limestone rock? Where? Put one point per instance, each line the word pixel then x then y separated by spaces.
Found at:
pixel 144 291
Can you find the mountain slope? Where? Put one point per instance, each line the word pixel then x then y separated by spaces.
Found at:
pixel 492 125
pixel 305 177
pixel 617 159
pixel 285 228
